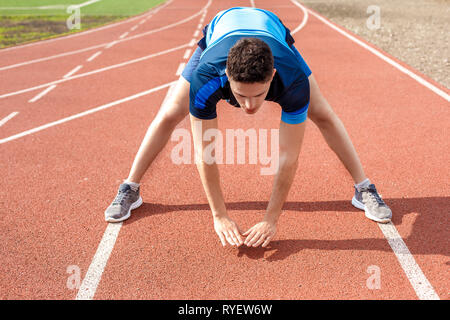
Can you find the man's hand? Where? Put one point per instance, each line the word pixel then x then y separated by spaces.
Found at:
pixel 262 232
pixel 229 230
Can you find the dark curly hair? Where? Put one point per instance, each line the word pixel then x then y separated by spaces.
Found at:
pixel 250 60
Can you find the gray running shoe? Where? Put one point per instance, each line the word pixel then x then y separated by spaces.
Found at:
pixel 374 207
pixel 126 200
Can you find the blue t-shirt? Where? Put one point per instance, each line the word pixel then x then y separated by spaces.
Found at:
pixel 209 83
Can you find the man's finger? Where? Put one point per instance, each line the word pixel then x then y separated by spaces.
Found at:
pixel 222 239
pixel 249 237
pixel 247 232
pixel 260 240
pixel 233 241
pixel 255 237
pixel 268 239
pixel 238 236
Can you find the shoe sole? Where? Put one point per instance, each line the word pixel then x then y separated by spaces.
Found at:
pixel 133 206
pixel 361 206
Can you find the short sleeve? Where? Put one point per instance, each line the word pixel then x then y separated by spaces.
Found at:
pixel 205 92
pixel 294 102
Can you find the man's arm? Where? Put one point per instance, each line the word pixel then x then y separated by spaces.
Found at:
pixel 209 175
pixel 291 139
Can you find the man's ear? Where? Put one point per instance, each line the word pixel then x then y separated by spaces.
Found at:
pixel 274 71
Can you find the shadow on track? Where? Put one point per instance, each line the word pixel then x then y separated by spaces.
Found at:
pixel 430 233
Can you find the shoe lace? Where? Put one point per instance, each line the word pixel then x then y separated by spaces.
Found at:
pixel 374 196
pixel 121 197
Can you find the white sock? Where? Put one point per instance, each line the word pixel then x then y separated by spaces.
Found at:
pixel 363 184
pixel 132 184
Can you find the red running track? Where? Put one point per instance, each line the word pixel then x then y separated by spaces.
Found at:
pixel 58 176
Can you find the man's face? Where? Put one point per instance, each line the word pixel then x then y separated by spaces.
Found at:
pixel 250 96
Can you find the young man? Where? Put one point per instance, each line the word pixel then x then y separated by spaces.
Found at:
pixel 245 57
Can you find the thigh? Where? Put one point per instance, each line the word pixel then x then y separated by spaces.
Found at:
pixel 176 106
pixel 319 109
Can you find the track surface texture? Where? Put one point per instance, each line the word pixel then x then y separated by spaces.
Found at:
pixel 65 152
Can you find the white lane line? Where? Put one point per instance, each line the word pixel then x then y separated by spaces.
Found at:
pixel 95 55
pixel 95 271
pixel 196 33
pixel 43 93
pixel 192 43
pixel 305 17
pixel 199 26
pixel 415 275
pixel 419 282
pixel 141 22
pixel 134 28
pixel 180 68
pixel 72 71
pixel 111 44
pixel 85 113
pixel 84 4
pixel 402 69
pixel 187 53
pixel 124 35
pixel 81 75
pixel 252 2
pixel 93 276
pixel 103 44
pixel 9 117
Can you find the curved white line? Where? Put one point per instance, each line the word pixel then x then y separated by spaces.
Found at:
pixel 305 17
pixel 82 33
pixel 107 43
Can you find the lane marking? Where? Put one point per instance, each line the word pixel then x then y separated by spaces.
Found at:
pixel 84 4
pixel 95 55
pixel 141 22
pixel 124 35
pixel 112 25
pixel 187 53
pixel 180 68
pixel 134 28
pixel 402 69
pixel 111 44
pixel 93 72
pixel 43 93
pixel 305 17
pixel 416 277
pixel 252 2
pixel 93 276
pixel 95 271
pixel 103 44
pixel 192 43
pixel 9 117
pixel 72 71
pixel 85 113
pixel 196 33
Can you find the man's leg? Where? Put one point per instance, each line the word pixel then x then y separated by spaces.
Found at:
pixel 332 129
pixel 170 114
pixel 175 109
pixel 366 196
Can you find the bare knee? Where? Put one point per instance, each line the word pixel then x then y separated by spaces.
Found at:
pixel 170 117
pixel 319 111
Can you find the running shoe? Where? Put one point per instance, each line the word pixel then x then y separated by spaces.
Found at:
pixel 370 201
pixel 127 199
